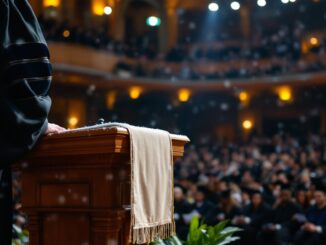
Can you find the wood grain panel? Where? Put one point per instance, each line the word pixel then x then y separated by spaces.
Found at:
pixel 64 195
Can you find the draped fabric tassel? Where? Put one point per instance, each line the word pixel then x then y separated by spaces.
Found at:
pixel 143 235
pixel 150 233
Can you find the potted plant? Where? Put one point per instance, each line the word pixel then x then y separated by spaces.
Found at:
pixel 200 233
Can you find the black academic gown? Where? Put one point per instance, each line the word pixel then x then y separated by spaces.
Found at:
pixel 25 77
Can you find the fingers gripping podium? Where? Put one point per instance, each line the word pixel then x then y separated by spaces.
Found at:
pixel 76 187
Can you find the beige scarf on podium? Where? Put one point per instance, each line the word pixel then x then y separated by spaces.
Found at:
pixel 151 184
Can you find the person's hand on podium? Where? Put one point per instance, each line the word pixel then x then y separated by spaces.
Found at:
pixel 54 128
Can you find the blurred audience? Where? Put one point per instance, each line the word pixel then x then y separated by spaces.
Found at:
pixel 273 188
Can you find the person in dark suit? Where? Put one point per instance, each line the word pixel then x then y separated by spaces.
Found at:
pixel 25 77
pixel 201 207
pixel 226 209
pixel 280 230
pixel 255 215
pixel 313 230
pixel 181 207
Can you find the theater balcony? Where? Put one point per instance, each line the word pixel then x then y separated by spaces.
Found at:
pixel 80 65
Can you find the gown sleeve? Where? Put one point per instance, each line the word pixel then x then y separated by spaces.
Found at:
pixel 25 78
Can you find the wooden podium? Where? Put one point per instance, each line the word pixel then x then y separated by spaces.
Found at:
pixel 76 187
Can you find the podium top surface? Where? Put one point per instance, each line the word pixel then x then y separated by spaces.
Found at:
pixel 98 139
pixel 104 129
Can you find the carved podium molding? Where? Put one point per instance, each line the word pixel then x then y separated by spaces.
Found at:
pixel 76 187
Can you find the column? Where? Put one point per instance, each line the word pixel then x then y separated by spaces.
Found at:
pixel 245 20
pixel 172 23
pixel 117 22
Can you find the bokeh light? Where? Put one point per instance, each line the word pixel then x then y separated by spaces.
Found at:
pixel 285 93
pixel 66 33
pixel 247 124
pixel 314 41
pixel 73 121
pixel 153 21
pixel 235 5
pixel 107 10
pixel 261 3
pixel 243 96
pixel 135 92
pixel 213 7
pixel 51 3
pixel 184 95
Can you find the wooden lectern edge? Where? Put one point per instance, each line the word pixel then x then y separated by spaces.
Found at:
pixel 69 142
pixel 106 130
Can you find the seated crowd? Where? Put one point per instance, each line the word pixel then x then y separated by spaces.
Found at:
pixel 272 188
pixel 283 47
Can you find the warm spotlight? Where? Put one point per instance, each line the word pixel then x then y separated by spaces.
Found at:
pixel 98 7
pixel 285 93
pixel 135 92
pixel 243 96
pixel 184 95
pixel 247 124
pixel 66 33
pixel 314 41
pixel 73 121
pixel 51 3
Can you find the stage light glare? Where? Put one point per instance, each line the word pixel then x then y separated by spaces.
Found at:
pixel 107 10
pixel 314 41
pixel 213 7
pixel 98 8
pixel 153 21
pixel 51 3
pixel 292 1
pixel 184 95
pixel 135 92
pixel 243 96
pixel 285 1
pixel 285 93
pixel 261 3
pixel 235 5
pixel 247 124
pixel 73 121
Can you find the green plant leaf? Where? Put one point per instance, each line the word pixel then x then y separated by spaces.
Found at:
pixel 230 229
pixel 194 224
pixel 202 234
pixel 158 242
pixel 174 240
pixel 211 231
pixel 229 240
pixel 220 226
